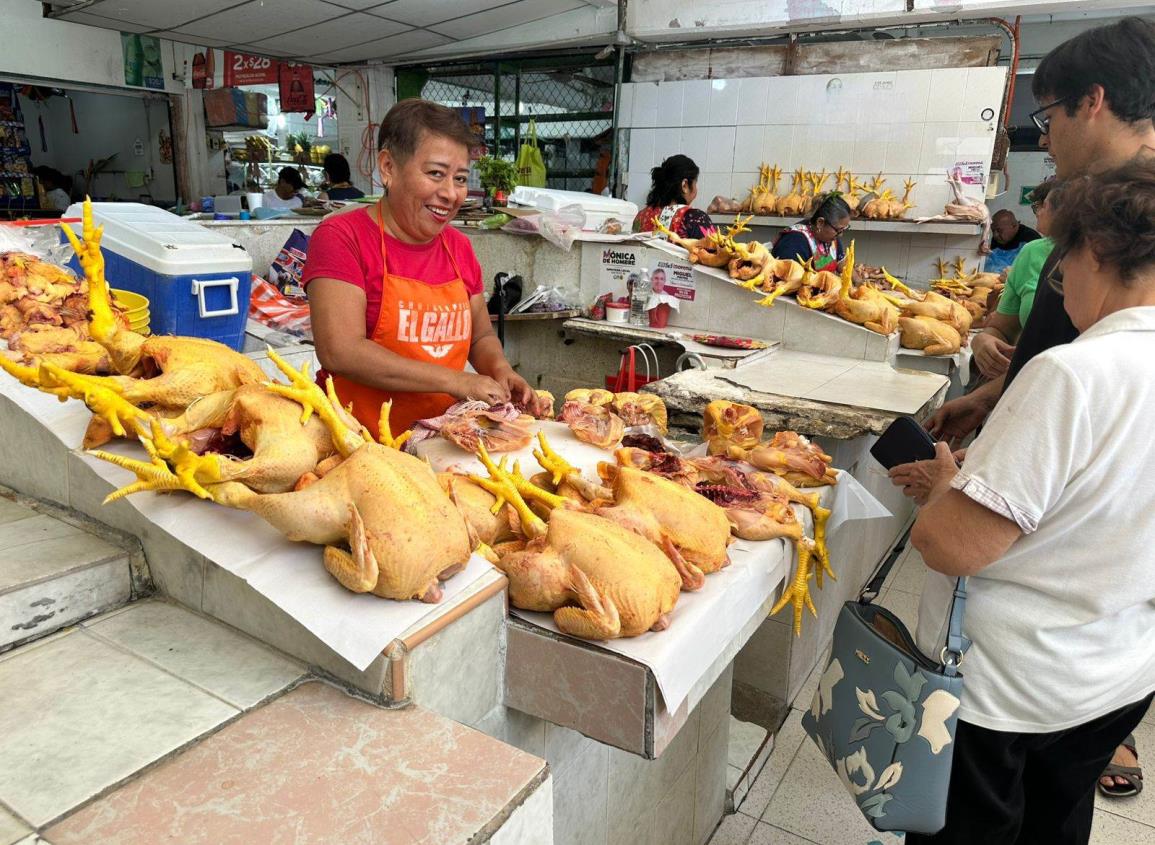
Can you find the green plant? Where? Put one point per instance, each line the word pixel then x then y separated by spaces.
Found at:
pixel 496 174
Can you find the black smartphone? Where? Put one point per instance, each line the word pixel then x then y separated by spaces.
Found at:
pixel 903 441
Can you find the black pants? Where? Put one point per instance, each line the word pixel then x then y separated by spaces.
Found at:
pixel 1029 789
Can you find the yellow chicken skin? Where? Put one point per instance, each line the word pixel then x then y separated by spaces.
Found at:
pixel 402 530
pixel 640 409
pixel 941 308
pixel 169 372
pixel 601 580
pixel 726 424
pixel 932 336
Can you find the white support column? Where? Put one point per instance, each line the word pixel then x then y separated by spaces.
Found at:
pixel 364 94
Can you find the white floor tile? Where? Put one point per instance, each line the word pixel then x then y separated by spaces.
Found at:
pixel 766 834
pixel 1110 829
pixel 11 828
pixel 80 715
pixel 806 694
pixel 208 654
pixel 786 743
pixel 745 740
pixel 909 573
pixel 1140 808
pixel 11 511
pixel 812 803
pixel 734 830
pixel 36 562
pixel 34 529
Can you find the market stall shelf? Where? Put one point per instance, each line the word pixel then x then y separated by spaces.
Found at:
pixel 910 226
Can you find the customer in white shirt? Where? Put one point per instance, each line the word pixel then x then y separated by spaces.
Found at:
pixel 1052 517
pixel 287 192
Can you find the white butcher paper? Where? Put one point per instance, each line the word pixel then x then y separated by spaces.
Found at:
pixel 291 575
pixel 704 622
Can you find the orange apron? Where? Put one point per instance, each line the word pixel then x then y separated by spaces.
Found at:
pixel 419 321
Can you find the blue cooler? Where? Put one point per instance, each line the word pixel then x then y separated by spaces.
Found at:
pixel 197 281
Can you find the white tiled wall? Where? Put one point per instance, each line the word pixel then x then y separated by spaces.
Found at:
pixel 915 123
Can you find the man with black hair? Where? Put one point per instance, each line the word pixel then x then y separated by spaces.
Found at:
pixel 1096 95
pixel 287 192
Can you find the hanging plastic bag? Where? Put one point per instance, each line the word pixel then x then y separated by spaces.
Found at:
pixel 559 227
pixel 287 314
pixel 285 271
pixel 530 164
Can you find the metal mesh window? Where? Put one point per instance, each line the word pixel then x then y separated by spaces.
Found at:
pixel 570 99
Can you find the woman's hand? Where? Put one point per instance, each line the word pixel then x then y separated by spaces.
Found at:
pixel 520 393
pixel 992 355
pixel 481 388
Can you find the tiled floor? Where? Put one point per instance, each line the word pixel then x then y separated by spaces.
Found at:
pixel 89 706
pixel 797 799
pixel 318 766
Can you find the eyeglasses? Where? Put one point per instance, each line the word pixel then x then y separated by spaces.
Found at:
pixel 1041 118
pixel 837 229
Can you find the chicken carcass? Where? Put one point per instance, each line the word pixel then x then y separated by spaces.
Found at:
pixel 791 456
pixel 600 580
pixel 726 424
pixel 941 308
pixel 593 424
pixel 932 336
pixel 403 533
pixel 170 372
pixel 499 430
pixel 638 409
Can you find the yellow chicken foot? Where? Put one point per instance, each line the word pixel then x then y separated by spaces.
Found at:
pixel 357 571
pixel 310 397
pixel 385 431
pixel 798 592
pixel 596 619
pixel 768 300
pixel 100 394
pixel 156 474
pixel 821 515
pixel 551 461
pixel 30 377
pixel 531 524
pixel 102 323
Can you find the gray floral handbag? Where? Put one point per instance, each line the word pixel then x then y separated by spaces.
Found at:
pixel 885 715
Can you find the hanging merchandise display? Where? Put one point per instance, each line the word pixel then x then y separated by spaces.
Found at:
pixel 296 89
pixel 243 69
pixel 530 164
pixel 204 69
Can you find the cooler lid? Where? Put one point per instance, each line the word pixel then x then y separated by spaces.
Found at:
pixel 550 199
pixel 162 242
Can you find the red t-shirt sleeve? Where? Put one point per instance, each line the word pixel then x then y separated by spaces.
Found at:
pixel 466 260
pixel 335 254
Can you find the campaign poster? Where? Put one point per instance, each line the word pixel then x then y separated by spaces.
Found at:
pixel 673 278
pixel 617 265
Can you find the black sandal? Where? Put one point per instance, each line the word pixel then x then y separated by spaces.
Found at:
pixel 1133 775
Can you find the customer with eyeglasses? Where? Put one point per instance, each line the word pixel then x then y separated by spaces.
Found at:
pixel 994 346
pixel 1097 110
pixel 819 236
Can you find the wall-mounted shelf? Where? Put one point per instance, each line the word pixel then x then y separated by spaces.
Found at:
pixel 939 227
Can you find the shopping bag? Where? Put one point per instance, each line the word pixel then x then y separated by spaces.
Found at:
pixel 288 314
pixel 285 271
pixel 530 164
pixel 627 379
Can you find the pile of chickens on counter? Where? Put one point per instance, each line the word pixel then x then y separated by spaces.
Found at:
pixel 609 556
pixel 937 321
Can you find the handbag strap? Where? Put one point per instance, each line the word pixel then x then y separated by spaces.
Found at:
pixel 956 644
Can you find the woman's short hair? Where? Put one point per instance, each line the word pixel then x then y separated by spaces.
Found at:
pixel 1112 213
pixel 291 177
pixel 337 166
pixel 667 180
pixel 409 120
pixel 830 207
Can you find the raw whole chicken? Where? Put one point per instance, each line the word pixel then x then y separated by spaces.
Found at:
pixel 403 533
pixel 693 532
pixel 590 396
pixel 941 308
pixel 601 580
pixel 932 336
pixel 501 428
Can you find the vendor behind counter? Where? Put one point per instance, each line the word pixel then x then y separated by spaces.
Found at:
pixel 396 295
pixel 673 189
pixel 819 237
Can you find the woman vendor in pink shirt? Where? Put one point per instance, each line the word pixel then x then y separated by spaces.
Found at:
pixel 396 295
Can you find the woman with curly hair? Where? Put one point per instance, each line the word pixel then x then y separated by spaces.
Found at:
pixel 1049 517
